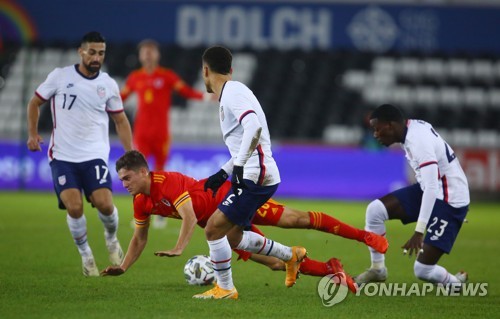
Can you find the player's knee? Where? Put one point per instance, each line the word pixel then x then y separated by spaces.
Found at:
pixel 75 210
pixel 422 272
pixel 376 213
pixel 104 206
pixel 212 233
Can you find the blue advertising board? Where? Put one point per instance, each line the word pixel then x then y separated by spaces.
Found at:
pixel 257 25
pixel 306 171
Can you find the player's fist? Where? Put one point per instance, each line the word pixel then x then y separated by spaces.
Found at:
pixel 34 143
pixel 215 181
pixel 113 271
pixel 237 180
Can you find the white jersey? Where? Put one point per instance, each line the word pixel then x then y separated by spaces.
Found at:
pixel 80 107
pixel 424 146
pixel 236 102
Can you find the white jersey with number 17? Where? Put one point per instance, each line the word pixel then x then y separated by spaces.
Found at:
pixel 80 108
pixel 424 146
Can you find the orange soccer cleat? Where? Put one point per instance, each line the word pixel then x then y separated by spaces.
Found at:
pixel 377 242
pixel 336 267
pixel 218 293
pixel 293 265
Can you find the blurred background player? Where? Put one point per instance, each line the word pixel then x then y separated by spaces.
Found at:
pixel 255 177
pixel 81 98
pixel 153 85
pixel 438 202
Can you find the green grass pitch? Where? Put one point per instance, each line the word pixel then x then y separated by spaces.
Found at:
pixel 40 270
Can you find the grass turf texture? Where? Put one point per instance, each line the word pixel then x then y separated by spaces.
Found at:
pixel 40 269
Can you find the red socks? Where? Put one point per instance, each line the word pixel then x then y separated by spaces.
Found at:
pixel 314 268
pixel 328 224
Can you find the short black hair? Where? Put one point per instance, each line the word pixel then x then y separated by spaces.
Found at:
pixel 132 160
pixel 93 37
pixel 388 113
pixel 218 59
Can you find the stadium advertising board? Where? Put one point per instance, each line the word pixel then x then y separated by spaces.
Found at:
pixel 260 25
pixel 306 171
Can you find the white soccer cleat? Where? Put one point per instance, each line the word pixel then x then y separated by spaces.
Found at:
pixel 462 276
pixel 89 267
pixel 371 275
pixel 115 252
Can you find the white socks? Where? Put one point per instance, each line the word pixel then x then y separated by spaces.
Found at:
pixel 78 229
pixel 258 244
pixel 110 224
pixel 434 273
pixel 376 215
pixel 220 254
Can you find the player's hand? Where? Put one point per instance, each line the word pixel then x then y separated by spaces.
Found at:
pixel 34 143
pixel 237 180
pixel 113 271
pixel 215 181
pixel 169 253
pixel 414 245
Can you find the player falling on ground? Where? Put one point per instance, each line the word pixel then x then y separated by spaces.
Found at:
pixel 438 202
pixel 175 195
pixel 81 98
pixel 154 85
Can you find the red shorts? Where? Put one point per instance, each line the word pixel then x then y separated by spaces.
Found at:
pixel 268 214
pixel 158 148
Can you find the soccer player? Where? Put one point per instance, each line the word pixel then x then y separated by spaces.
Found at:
pixel 174 195
pixel 81 98
pixel 153 85
pixel 255 177
pixel 438 202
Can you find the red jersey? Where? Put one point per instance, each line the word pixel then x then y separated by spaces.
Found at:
pixel 170 190
pixel 154 92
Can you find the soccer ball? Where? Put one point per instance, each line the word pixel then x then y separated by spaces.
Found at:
pixel 199 270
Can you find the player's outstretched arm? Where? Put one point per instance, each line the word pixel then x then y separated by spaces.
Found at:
pixel 123 129
pixel 215 181
pixel 135 248
pixel 34 139
pixel 189 221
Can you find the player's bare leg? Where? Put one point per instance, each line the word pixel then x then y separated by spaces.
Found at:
pixel 292 218
pixel 77 223
pixel 102 199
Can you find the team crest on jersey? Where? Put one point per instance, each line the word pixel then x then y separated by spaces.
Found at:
pixel 221 113
pixel 165 202
pixel 62 180
pixel 158 83
pixel 101 91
